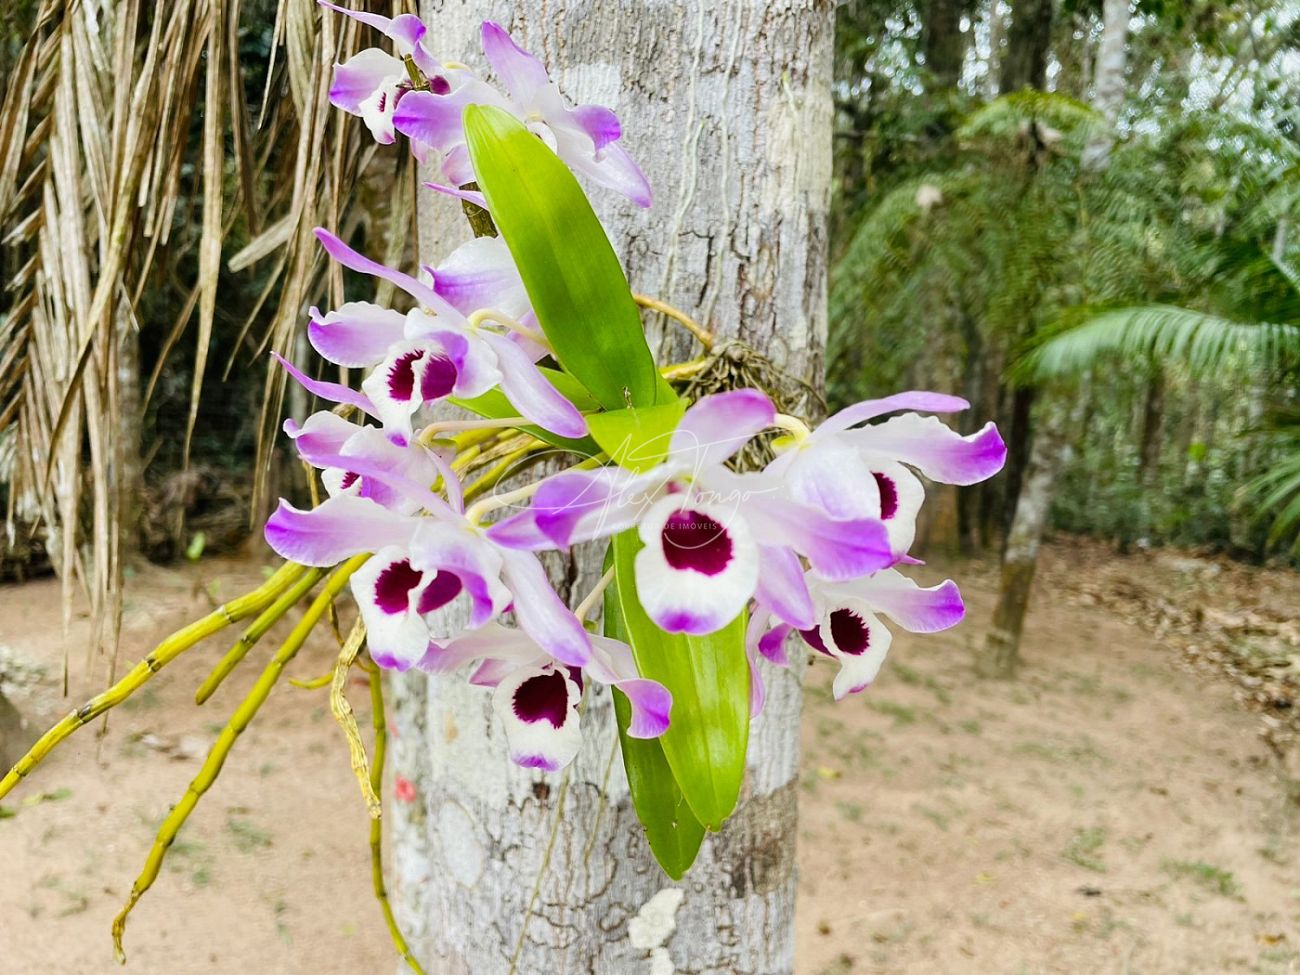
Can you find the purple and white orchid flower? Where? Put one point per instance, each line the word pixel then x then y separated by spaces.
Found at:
pixel 852 472
pixel 712 537
pixel 435 351
pixel 536 698
pixel 848 627
pixel 370 84
pixel 585 137
pixel 422 561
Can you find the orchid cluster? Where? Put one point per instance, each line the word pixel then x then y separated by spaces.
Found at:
pixel 810 543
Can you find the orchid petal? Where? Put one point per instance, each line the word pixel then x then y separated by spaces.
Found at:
pixel 358 78
pixel 939 452
pixel 482 274
pixel 872 408
pixel 699 566
pixel 448 547
pixel 781 586
pixel 540 612
pixel 355 261
pixel 356 334
pixel 538 707
pixel 717 426
pixel 522 74
pixel 599 123
pixel 530 393
pixel 338 528
pixel 469 196
pixel 334 392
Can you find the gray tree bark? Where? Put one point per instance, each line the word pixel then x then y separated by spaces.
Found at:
pixel 727 107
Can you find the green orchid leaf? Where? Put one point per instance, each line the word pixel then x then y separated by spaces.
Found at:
pixel 708 677
pixel 572 275
pixel 637 437
pixel 495 406
pixel 673 832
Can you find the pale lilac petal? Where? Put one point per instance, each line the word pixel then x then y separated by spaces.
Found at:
pixel 509 647
pixel 321 433
pixel 469 196
pixel 438 120
pixel 612 168
pixel 449 547
pixel 599 123
pixel 530 393
pixel 357 334
pixel 457 167
pixel 612 663
pixel 386 471
pixel 521 73
pixel 482 274
pixel 349 258
pixel 836 549
pixel 914 608
pixel 339 528
pixel 540 612
pixel 772 644
pixel 757 688
pixel 520 531
pixel 717 426
pixel 869 409
pixel 358 78
pixel 579 506
pixel 538 708
pixel 781 586
pixel 939 452
pixel 699 566
pixel 334 392
pixel 830 473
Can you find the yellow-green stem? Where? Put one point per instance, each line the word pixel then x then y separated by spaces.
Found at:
pixel 240 720
pixel 163 654
pixel 235 655
pixel 380 725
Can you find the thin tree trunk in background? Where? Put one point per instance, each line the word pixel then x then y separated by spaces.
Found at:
pixel 943 42
pixel 1051 448
pixel 1149 442
pixel 496 869
pixel 1000 657
pixel 1029 38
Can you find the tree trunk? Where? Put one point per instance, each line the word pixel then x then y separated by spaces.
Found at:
pixel 943 42
pixel 1029 37
pixel 1051 445
pixel 1108 85
pixel 727 106
pixel 1001 654
pixel 1149 440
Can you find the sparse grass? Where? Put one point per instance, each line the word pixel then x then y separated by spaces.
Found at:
pixel 247 836
pixel 1084 847
pixel 901 713
pixel 914 678
pixel 1212 878
pixel 851 811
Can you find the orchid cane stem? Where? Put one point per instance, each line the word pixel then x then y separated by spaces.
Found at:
pixel 501 318
pixel 593 597
pixel 342 712
pixel 240 720
pixel 676 314
pixel 380 725
pixel 235 655
pixel 163 654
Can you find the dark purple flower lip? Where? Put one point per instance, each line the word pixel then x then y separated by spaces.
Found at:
pixel 694 541
pixel 393 587
pixel 542 698
pixel 888 496
pixel 850 632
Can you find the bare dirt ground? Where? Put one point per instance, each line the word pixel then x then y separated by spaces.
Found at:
pixel 1118 809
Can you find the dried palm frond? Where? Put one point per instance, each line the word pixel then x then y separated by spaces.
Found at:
pixel 124 124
